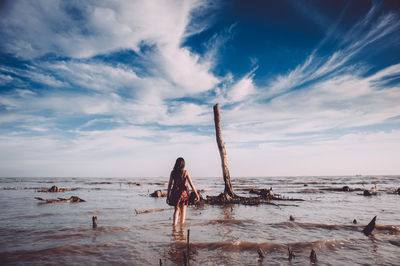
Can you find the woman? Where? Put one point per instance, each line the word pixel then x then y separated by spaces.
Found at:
pixel 178 196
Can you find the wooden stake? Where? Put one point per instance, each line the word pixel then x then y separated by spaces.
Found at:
pixel 291 254
pixel 187 245
pixel 222 152
pixel 313 256
pixel 94 220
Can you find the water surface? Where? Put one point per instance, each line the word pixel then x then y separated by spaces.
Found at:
pixel 34 233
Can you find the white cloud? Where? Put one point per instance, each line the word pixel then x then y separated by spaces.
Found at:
pixel 187 114
pixel 4 79
pixel 33 73
pixel 93 75
pixel 236 92
pixel 103 27
pixel 243 88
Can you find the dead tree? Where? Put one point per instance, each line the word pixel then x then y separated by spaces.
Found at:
pixel 228 192
pixel 229 196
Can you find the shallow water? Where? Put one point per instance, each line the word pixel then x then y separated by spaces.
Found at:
pixel 36 233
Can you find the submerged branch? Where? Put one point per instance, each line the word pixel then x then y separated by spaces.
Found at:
pixel 153 210
pixel 71 199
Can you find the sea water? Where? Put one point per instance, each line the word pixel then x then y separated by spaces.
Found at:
pixel 33 232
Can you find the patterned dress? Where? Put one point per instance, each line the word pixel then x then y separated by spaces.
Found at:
pixel 180 190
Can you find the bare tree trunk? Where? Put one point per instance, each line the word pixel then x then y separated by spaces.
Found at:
pixel 229 193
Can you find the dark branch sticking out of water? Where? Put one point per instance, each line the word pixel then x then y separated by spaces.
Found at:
pixel 370 227
pixel 313 256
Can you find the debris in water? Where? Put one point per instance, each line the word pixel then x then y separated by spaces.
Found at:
pixel 370 227
pixel 346 188
pixel 158 194
pixel 291 254
pixel 56 189
pixel 265 193
pixel 94 220
pixel 313 256
pixel 71 199
pixel 153 210
pixel 192 199
pixel 366 193
pixel 261 253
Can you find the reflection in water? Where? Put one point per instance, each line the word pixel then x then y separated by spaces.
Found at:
pixel 179 235
pixel 177 250
pixel 225 230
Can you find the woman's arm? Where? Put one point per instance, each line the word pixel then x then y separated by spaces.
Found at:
pixel 193 187
pixel 169 187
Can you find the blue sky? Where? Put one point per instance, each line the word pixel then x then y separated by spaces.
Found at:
pixel 122 88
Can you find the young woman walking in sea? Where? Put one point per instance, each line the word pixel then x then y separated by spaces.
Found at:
pixel 178 196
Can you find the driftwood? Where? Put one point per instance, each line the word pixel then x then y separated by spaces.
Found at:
pixel 221 200
pixel 370 227
pixel 158 194
pixel 57 189
pixel 134 183
pixel 192 199
pixel 368 193
pixel 342 189
pixel 229 193
pixel 71 199
pixel 153 210
pixel 265 193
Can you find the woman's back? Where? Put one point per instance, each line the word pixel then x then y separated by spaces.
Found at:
pixel 179 178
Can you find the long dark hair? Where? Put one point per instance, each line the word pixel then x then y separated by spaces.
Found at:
pixel 179 165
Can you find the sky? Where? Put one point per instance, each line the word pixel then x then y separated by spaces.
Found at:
pixel 122 88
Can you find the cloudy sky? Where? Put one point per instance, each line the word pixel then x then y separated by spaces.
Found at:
pixel 122 88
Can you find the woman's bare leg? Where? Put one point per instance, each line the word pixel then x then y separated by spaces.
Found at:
pixel 176 214
pixel 183 213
